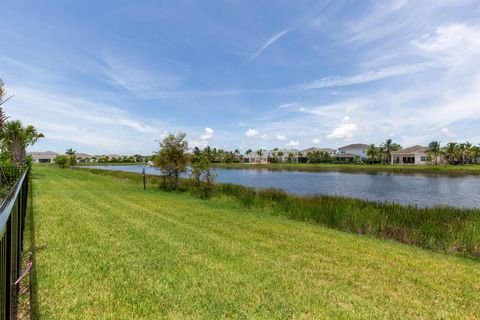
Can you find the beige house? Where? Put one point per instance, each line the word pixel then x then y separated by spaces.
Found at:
pixel 253 157
pixel 283 155
pixel 84 157
pixel 43 157
pixel 412 155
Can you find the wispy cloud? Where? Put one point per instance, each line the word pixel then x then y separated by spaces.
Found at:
pixel 90 125
pixel 455 43
pixel 270 41
pixel 365 77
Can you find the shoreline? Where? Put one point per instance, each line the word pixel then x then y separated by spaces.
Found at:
pixel 448 230
pixel 323 167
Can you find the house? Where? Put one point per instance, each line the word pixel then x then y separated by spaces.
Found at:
pixel 412 155
pixel 253 157
pixel 284 155
pixel 114 157
pixel 84 157
pixel 303 157
pixel 43 157
pixel 352 151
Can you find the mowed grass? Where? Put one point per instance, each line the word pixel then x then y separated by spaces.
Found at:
pixel 106 249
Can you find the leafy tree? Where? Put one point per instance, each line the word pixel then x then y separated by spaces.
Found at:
pixel 103 159
pixel 290 157
pixel 172 158
pixel 61 160
pixel 72 157
pixel 203 178
pixel 280 156
pixel 434 150
pixel 16 138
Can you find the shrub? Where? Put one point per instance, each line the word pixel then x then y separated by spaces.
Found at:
pixel 61 160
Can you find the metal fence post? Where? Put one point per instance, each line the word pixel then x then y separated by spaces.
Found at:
pixel 144 180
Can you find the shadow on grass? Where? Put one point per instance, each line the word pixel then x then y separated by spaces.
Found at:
pixel 34 312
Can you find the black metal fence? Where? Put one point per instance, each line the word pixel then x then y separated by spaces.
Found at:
pixel 13 210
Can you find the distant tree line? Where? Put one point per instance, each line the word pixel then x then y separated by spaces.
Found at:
pixel 382 153
pixel 454 153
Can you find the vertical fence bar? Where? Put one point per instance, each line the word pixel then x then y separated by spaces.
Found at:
pixel 12 225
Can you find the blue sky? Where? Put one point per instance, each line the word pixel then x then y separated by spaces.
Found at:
pixel 115 76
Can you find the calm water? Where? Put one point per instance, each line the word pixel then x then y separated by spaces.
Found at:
pixel 424 190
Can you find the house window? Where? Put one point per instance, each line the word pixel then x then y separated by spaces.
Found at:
pixel 408 159
pixel 423 158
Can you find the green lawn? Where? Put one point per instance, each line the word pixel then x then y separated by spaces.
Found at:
pixel 106 249
pixel 450 169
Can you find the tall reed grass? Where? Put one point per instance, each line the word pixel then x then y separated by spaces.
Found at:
pixel 444 229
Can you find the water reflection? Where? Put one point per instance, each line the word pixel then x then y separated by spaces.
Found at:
pixel 424 190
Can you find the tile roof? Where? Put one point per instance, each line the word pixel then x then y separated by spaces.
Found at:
pixel 414 149
pixel 354 146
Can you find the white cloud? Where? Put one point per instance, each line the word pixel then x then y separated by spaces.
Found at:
pixel 345 131
pixel 316 141
pixel 83 124
pixel 208 134
pixel 250 133
pixel 281 137
pixel 288 105
pixel 293 144
pixel 264 136
pixel 456 37
pixel 267 44
pixel 365 77
pixel 448 132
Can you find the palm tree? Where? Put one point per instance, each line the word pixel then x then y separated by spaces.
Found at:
pixel 466 152
pixel 451 150
pixel 16 138
pixel 386 149
pixel 3 117
pixel 434 150
pixel 372 152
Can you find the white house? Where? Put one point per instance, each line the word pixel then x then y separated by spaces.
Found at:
pixel 43 157
pixel 352 152
pixel 412 155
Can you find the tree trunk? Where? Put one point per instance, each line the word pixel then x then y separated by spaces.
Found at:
pixel 18 152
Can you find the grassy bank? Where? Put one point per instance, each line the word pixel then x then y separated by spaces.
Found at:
pixel 448 230
pixel 106 249
pixel 447 169
pixel 83 164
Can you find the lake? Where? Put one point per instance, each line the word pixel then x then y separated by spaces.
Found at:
pixel 423 190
